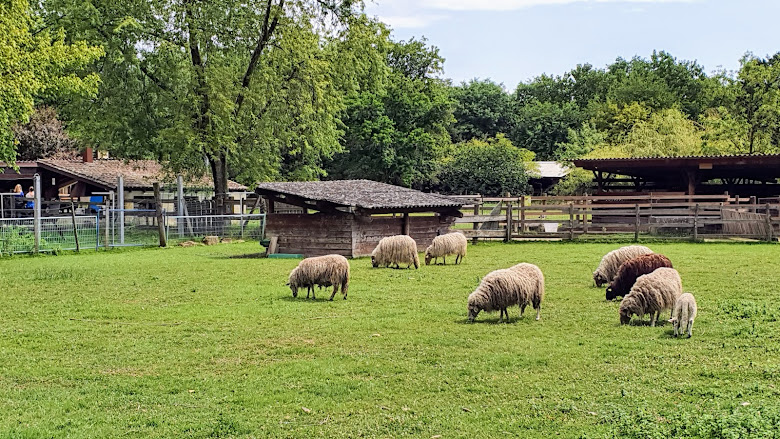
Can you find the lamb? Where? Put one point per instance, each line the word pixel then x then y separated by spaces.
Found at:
pixel 322 271
pixel 632 269
pixel 610 263
pixel 683 314
pixel 443 245
pixel 651 293
pixel 500 289
pixel 398 249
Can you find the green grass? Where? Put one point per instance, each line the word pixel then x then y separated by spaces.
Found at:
pixel 187 342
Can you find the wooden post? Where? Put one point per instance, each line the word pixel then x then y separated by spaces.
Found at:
pixel 769 230
pixel 405 230
pixel 73 219
pixel 508 222
pixel 586 206
pixel 696 222
pixel 753 203
pixel 522 215
pixel 571 221
pixel 476 212
pixel 159 212
pixel 636 226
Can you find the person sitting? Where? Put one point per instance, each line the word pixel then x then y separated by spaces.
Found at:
pixel 30 194
pixel 19 197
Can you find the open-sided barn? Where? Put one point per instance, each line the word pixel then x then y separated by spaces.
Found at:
pixel 349 217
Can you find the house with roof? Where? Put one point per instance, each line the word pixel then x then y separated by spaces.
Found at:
pixel 349 217
pixel 546 174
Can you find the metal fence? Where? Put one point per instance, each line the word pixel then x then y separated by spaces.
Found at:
pixel 225 226
pixel 17 235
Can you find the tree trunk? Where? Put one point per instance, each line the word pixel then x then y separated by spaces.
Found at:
pixel 220 175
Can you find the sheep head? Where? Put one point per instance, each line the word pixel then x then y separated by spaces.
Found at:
pixel 473 312
pixel 294 289
pixel 611 293
pixel 599 278
pixel 374 263
pixel 625 316
pixel 428 256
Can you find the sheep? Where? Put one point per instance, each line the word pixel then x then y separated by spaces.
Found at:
pixel 321 271
pixel 610 263
pixel 651 293
pixel 632 269
pixel 443 245
pixel 500 289
pixel 683 314
pixel 396 250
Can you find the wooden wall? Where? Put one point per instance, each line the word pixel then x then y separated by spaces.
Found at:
pixel 321 234
pixel 315 234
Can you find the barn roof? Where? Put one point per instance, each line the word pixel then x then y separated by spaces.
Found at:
pixel 368 196
pixel 756 166
pixel 137 174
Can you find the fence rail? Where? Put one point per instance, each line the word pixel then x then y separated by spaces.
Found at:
pixel 659 216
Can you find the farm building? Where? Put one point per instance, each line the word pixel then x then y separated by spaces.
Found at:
pixel 349 217
pixel 547 174
pixel 85 177
pixel 743 175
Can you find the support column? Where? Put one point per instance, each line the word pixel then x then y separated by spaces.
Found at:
pixel 120 187
pixel 37 211
pixel 405 227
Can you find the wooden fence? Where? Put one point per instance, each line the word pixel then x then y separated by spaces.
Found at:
pixel 669 216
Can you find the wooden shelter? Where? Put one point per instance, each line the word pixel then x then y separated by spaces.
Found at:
pixel 349 217
pixel 744 175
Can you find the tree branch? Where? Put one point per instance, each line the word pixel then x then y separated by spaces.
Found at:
pixel 262 42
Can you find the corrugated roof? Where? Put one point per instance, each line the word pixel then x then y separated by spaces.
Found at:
pixel 691 157
pixel 550 169
pixel 363 194
pixel 137 174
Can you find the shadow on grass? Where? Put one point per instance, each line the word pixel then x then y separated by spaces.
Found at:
pixel 494 321
pixel 323 298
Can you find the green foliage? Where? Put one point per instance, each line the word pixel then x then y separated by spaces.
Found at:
pixel 396 133
pixel 482 110
pixel 578 182
pixel 36 63
pixel 541 126
pixel 491 168
pixel 757 101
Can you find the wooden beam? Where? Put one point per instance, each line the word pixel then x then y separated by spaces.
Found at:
pixel 405 226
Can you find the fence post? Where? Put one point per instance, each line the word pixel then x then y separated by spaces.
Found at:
pixel 508 222
pixel 159 212
pixel 120 187
pixel 586 208
pixel 180 204
pixel 636 226
pixel 769 230
pixel 75 230
pixel 696 222
pixel 37 212
pixel 571 221
pixel 522 215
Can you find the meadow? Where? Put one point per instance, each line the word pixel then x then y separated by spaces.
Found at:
pixel 192 342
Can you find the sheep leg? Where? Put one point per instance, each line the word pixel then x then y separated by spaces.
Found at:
pixel 653 317
pixel 313 295
pixel 690 328
pixel 444 258
pixel 335 289
pixel 522 310
pixel 539 312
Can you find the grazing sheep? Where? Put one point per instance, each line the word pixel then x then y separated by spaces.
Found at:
pixel 500 289
pixel 610 263
pixel 683 314
pixel 443 245
pixel 321 271
pixel 398 249
pixel 632 269
pixel 651 293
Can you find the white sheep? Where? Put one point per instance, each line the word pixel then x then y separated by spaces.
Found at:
pixel 321 271
pixel 684 312
pixel 520 285
pixel 651 293
pixel 398 249
pixel 443 245
pixel 610 263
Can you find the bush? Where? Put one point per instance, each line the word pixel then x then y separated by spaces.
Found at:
pixel 490 168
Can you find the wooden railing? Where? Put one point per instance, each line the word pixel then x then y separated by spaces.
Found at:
pixel 664 216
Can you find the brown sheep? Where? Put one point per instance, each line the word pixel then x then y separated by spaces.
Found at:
pixel 632 269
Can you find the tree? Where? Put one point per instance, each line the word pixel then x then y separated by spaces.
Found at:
pixel 394 134
pixel 34 64
pixel 43 137
pixel 482 110
pixel 758 100
pixel 541 126
pixel 253 86
pixel 492 168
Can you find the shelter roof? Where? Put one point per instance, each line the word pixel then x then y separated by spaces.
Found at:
pixel 137 174
pixel 757 166
pixel 550 169
pixel 370 196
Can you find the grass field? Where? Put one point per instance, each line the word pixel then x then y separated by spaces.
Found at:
pixel 188 342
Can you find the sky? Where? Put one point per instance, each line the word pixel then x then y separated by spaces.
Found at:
pixel 512 41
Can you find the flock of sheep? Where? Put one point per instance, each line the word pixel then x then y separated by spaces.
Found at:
pixel 646 280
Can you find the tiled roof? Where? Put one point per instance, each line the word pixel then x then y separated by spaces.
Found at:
pixel 363 194
pixel 137 174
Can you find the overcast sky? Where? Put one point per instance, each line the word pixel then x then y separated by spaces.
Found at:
pixel 510 41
